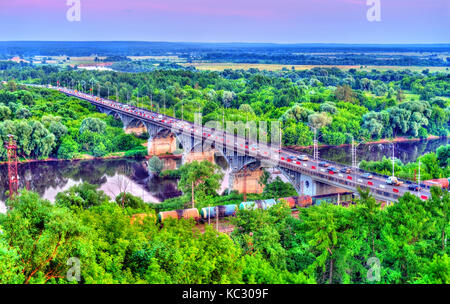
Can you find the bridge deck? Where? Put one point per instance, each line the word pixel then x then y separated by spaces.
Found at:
pixel 282 158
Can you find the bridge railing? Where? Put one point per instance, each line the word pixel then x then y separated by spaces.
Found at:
pixel 358 170
pixel 341 181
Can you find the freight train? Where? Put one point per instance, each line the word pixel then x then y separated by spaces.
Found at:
pixel 294 202
pixel 443 183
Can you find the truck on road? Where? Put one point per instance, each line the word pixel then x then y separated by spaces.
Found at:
pixel 392 180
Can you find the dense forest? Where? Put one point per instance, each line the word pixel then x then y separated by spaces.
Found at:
pixel 324 244
pixel 47 123
pixel 341 105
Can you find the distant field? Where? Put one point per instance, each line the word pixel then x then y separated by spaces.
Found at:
pixel 210 66
pixel 161 58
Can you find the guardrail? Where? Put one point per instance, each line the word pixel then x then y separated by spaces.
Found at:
pixel 338 181
pixel 358 170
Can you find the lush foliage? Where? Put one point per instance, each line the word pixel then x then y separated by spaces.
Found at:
pixel 341 104
pixel 325 244
pixel 46 123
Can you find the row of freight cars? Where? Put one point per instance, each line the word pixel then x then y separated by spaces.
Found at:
pixel 443 183
pixel 230 210
pixel 294 202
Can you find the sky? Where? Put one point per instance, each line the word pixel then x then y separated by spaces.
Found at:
pixel 277 21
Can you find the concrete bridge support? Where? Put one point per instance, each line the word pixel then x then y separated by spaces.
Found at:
pixel 199 156
pixel 303 184
pixel 160 140
pixel 247 180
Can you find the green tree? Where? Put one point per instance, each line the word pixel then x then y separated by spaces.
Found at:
pixel 203 178
pixel 155 165
pixel 443 155
pixel 5 112
pixel 10 265
pixel 92 124
pixel 45 237
pixel 83 195
pixel 68 148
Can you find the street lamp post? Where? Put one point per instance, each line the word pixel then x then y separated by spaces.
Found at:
pixel 354 150
pixel 419 188
pixel 316 147
pixel 393 159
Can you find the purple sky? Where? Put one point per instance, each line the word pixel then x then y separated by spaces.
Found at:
pixel 283 21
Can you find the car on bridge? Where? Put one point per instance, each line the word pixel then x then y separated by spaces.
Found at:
pixel 392 180
pixel 324 164
pixel 303 158
pixel 333 170
pixel 346 170
pixel 413 187
pixel 367 175
pixel 290 158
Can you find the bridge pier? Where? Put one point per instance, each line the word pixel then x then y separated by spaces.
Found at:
pixel 303 184
pixel 246 180
pixel 160 141
pixel 199 156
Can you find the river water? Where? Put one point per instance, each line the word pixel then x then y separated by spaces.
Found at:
pixel 116 175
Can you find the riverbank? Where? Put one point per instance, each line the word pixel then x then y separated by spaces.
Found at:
pixel 117 155
pixel 380 141
pixel 84 157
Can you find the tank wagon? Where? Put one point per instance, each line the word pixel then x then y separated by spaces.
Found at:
pixel 259 204
pixel 294 202
pixel 343 199
pixel 440 183
pixel 297 201
pixel 223 211
pixel 179 214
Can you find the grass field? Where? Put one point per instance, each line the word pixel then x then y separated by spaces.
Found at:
pixel 278 67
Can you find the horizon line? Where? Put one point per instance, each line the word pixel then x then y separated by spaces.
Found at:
pixel 236 42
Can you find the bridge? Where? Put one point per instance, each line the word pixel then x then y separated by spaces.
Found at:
pixel 241 152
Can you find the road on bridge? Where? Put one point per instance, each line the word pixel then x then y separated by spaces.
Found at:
pixel 335 174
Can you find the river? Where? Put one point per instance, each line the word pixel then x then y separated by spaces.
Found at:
pixel 115 175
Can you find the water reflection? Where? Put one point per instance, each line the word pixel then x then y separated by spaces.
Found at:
pixel 112 176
